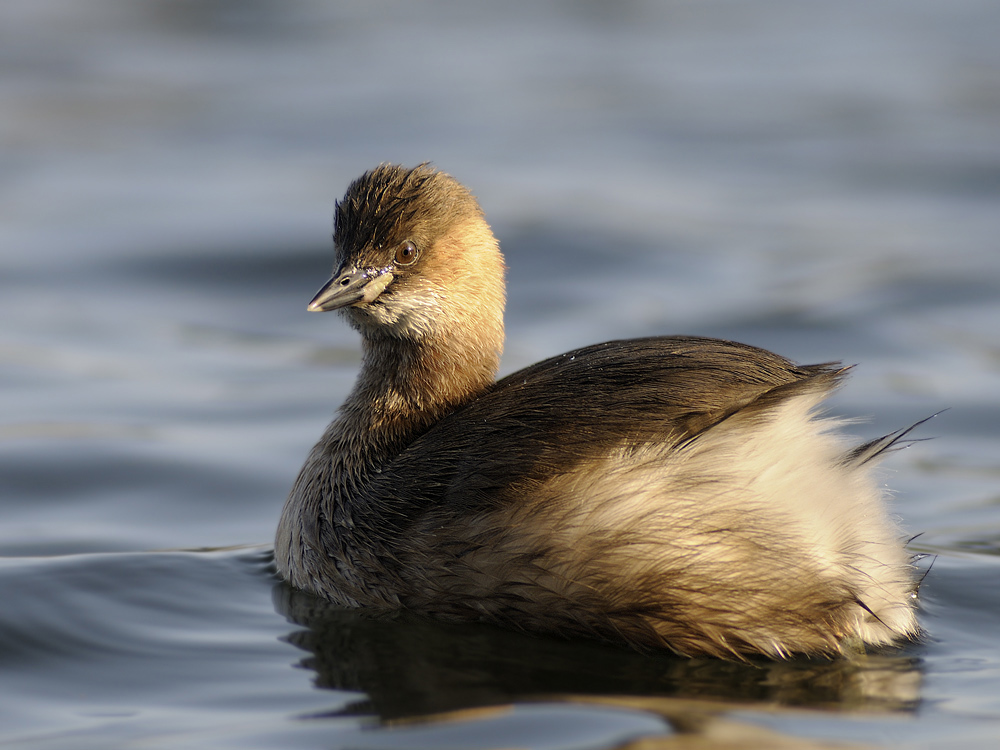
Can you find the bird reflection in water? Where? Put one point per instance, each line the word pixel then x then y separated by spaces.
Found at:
pixel 413 667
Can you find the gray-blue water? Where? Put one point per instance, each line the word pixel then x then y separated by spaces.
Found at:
pixel 822 179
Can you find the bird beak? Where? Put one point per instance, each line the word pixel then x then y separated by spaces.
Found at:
pixel 350 286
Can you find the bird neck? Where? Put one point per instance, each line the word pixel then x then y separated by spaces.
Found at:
pixel 405 387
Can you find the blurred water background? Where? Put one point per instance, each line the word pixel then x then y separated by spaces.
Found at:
pixel 821 179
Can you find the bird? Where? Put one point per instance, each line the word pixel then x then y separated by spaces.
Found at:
pixel 670 493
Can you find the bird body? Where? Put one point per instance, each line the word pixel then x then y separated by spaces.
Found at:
pixel 668 492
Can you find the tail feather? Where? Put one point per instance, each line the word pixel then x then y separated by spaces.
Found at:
pixel 879 447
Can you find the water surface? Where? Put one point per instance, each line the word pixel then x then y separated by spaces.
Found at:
pixel 821 180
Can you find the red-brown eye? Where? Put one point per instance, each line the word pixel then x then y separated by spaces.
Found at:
pixel 406 254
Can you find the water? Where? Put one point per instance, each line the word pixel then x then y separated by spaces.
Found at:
pixel 822 180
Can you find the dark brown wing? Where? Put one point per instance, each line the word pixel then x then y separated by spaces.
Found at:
pixel 543 420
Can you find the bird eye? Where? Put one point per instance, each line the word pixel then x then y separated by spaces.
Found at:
pixel 406 254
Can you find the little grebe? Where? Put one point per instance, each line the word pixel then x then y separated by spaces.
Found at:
pixel 667 492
